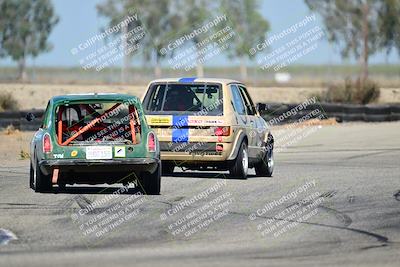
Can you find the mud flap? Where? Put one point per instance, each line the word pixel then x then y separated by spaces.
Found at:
pixel 54 178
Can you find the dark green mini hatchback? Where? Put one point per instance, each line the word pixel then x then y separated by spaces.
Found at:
pixel 94 139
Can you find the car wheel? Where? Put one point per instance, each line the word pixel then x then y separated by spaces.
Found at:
pixel 40 182
pixel 150 184
pixel 240 165
pixel 167 169
pixel 266 166
pixel 31 176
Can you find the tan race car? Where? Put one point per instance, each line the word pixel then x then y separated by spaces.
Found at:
pixel 208 124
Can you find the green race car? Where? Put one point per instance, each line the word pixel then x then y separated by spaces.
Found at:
pixel 94 139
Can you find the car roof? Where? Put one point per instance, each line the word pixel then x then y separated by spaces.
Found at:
pixel 196 80
pixel 93 96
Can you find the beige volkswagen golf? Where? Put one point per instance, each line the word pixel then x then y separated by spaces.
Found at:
pixel 208 124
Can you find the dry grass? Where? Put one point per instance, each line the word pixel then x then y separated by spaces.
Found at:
pixel 353 92
pixel 313 122
pixel 31 96
pixel 7 101
pixel 307 123
pixel 24 155
pixel 10 130
pixel 11 147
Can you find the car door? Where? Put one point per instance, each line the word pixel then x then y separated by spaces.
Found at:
pixel 240 110
pixel 256 134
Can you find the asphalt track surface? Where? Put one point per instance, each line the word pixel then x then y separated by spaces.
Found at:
pixel 353 207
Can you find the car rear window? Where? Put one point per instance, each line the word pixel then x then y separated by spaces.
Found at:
pixel 97 122
pixel 191 99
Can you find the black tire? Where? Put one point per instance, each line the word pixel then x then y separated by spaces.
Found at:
pixel 332 108
pixel 376 118
pixel 353 117
pixel 150 184
pixel 353 109
pixel 377 110
pixel 31 177
pixel 167 168
pixel 237 169
pixel 265 167
pixel 42 183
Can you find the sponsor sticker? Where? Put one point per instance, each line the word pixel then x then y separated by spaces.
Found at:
pixel 99 152
pixel 58 156
pixel 214 121
pixel 160 120
pixel 119 152
pixel 196 121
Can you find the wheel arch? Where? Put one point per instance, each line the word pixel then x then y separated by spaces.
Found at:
pixel 238 141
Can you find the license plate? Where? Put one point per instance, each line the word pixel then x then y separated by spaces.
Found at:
pixel 99 152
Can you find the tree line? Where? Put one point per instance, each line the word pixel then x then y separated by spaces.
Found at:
pixel 165 19
pixel 360 28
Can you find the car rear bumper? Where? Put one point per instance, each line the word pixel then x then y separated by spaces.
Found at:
pixel 195 151
pixel 87 162
pixel 99 166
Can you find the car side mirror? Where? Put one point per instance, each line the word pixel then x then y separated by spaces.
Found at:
pixel 261 107
pixel 30 116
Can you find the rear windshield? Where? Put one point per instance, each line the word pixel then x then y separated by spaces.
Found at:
pixel 99 122
pixel 191 99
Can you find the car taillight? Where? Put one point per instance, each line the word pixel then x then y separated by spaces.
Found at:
pixel 151 142
pixel 47 147
pixel 222 131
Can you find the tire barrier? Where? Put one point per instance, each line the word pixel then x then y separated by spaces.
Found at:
pixel 18 119
pixel 395 112
pixel 342 112
pixel 395 109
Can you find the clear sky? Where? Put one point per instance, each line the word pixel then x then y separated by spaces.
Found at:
pixel 79 21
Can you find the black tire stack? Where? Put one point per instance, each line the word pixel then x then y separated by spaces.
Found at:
pixel 342 112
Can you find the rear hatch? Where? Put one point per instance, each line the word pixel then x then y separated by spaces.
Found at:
pixel 187 117
pixel 97 130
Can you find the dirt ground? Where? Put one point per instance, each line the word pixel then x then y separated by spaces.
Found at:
pixel 36 95
pixel 14 146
